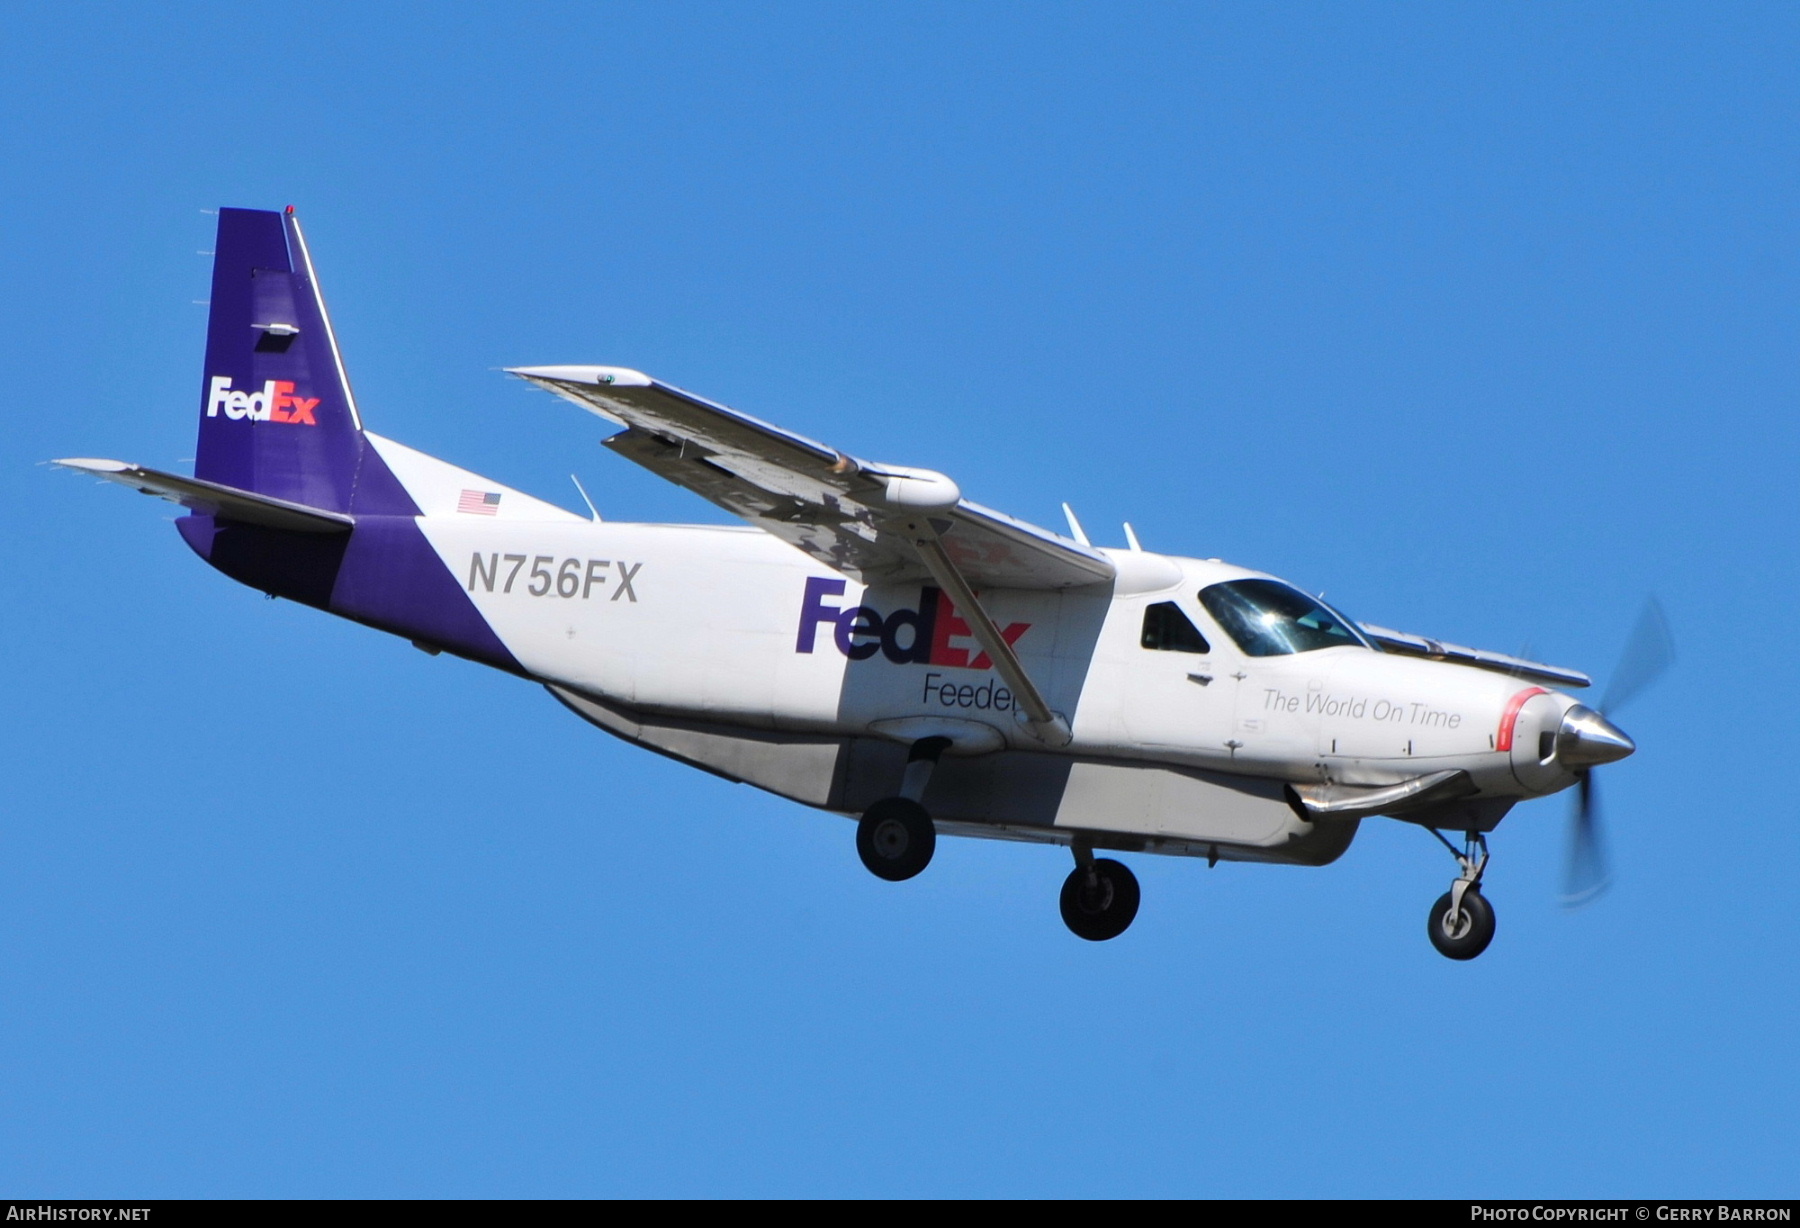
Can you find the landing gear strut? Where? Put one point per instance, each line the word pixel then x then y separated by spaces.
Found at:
pixel 895 838
pixel 1100 896
pixel 1462 921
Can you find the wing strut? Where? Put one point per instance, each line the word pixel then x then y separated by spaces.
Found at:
pixel 1048 726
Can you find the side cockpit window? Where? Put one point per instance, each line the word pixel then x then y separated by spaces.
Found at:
pixel 1167 629
pixel 1269 619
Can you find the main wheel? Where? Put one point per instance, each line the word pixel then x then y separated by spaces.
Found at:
pixel 895 839
pixel 1104 908
pixel 1468 933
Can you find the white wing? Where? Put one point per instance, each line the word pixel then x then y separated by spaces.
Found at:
pixel 850 514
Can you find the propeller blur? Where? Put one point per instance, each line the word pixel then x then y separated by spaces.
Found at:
pixel 1594 740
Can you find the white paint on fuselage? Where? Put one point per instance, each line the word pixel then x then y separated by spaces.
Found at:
pixel 437 486
pixel 708 627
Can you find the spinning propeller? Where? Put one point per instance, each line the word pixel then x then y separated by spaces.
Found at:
pixel 1587 740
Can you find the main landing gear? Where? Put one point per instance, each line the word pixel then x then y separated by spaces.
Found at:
pixel 1462 921
pixel 1100 896
pixel 895 839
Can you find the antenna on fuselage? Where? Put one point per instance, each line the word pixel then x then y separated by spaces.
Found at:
pixel 584 497
pixel 1131 538
pixel 1075 529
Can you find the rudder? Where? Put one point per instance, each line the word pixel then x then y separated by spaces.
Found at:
pixel 277 415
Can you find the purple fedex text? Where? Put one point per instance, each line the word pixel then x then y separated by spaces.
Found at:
pixel 925 636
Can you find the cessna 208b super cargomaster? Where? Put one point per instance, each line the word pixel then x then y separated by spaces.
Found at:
pixel 871 642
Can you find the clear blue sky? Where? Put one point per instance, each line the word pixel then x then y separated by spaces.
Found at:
pixel 1480 318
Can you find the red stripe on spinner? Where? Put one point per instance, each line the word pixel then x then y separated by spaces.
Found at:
pixel 1511 717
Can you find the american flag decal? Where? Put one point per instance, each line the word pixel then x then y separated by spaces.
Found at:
pixel 479 502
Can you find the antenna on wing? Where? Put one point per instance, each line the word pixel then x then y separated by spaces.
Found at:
pixel 1075 529
pixel 1131 538
pixel 584 497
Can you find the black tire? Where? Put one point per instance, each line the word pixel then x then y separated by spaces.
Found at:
pixel 1466 936
pixel 895 839
pixel 1106 909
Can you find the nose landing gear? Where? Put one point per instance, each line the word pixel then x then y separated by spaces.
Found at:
pixel 1462 921
pixel 1100 896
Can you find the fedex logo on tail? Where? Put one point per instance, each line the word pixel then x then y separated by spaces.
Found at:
pixel 923 636
pixel 275 403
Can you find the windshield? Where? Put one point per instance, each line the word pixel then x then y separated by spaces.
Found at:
pixel 1268 619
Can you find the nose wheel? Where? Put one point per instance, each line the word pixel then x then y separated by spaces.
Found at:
pixel 1461 929
pixel 1462 921
pixel 1099 898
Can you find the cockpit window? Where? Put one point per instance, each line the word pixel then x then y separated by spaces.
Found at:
pixel 1268 619
pixel 1167 629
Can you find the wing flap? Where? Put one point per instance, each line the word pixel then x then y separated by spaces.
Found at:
pixel 811 528
pixel 202 496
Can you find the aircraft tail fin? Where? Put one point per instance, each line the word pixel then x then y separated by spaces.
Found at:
pixel 277 415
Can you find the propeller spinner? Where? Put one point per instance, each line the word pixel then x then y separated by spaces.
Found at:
pixel 1588 739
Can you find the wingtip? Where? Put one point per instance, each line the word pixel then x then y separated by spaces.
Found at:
pixel 92 464
pixel 597 376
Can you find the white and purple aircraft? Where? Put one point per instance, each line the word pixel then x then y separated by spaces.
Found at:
pixel 870 642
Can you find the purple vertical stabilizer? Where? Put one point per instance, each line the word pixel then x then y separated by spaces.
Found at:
pixel 277 417
pixel 276 412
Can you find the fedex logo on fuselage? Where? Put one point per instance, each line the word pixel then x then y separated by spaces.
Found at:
pixel 923 636
pixel 275 403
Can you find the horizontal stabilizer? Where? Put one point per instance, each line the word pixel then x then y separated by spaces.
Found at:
pixel 1411 645
pixel 227 502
